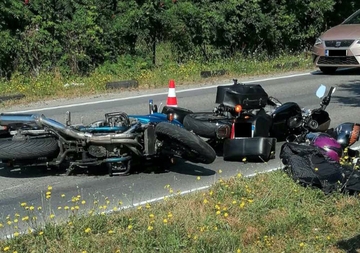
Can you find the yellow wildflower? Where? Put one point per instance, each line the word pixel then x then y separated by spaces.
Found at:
pixel 242 204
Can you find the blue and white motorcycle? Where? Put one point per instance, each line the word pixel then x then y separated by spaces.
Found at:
pixel 116 142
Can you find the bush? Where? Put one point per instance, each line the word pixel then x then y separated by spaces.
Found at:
pixel 75 37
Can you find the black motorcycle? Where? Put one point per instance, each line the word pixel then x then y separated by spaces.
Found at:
pixel 247 123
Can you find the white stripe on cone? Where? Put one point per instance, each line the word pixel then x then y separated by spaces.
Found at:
pixel 172 93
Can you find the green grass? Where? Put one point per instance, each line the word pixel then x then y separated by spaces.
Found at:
pixel 265 213
pixel 51 84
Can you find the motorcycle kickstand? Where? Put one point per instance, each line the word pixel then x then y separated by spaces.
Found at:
pixel 70 170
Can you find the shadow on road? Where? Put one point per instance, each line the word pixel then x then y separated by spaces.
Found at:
pixel 180 167
pixel 339 72
pixel 28 172
pixel 183 167
pixel 351 245
pixel 352 88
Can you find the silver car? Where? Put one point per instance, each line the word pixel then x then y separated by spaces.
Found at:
pixel 339 46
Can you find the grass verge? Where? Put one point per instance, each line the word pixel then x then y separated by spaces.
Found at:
pixel 265 213
pixel 53 85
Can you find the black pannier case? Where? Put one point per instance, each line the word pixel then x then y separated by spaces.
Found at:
pixel 249 96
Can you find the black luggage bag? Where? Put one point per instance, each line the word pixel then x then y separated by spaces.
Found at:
pixel 249 96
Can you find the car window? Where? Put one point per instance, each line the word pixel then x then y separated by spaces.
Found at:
pixel 354 19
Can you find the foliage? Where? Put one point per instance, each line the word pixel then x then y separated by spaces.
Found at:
pixel 53 86
pixel 265 213
pixel 74 37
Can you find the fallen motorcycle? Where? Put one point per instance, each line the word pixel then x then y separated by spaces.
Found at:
pixel 247 123
pixel 325 159
pixel 116 142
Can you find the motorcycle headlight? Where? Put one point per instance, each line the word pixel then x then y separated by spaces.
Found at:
pixel 318 41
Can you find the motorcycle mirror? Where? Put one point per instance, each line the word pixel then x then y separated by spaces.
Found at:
pixel 321 91
pixel 334 89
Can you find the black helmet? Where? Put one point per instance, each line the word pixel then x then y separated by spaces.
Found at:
pixel 347 133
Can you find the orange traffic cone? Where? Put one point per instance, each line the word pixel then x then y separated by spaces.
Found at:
pixel 171 100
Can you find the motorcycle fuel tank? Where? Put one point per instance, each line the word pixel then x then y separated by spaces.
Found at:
pixel 283 116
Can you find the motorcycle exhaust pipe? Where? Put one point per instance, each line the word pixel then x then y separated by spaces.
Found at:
pixel 9 119
pixel 41 121
pixel 101 139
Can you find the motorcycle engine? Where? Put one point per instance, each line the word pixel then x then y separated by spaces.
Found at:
pixel 117 119
pixel 97 151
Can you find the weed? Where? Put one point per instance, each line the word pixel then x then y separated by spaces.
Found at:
pixel 265 213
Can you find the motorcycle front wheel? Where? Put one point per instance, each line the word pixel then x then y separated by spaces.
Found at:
pixel 184 143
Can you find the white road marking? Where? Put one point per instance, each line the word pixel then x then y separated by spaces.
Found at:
pixel 153 94
pixel 9 236
pixel 183 192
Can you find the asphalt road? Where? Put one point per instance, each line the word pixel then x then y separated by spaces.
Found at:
pixel 30 187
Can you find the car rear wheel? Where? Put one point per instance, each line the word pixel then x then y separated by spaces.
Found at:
pixel 328 70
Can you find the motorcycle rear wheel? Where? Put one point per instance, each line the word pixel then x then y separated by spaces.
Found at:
pixel 28 149
pixel 190 146
pixel 203 124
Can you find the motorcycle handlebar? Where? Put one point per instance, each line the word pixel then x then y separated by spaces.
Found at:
pixel 326 100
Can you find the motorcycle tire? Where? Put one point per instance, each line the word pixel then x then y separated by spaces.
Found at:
pixel 179 112
pixel 194 149
pixel 32 148
pixel 203 124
